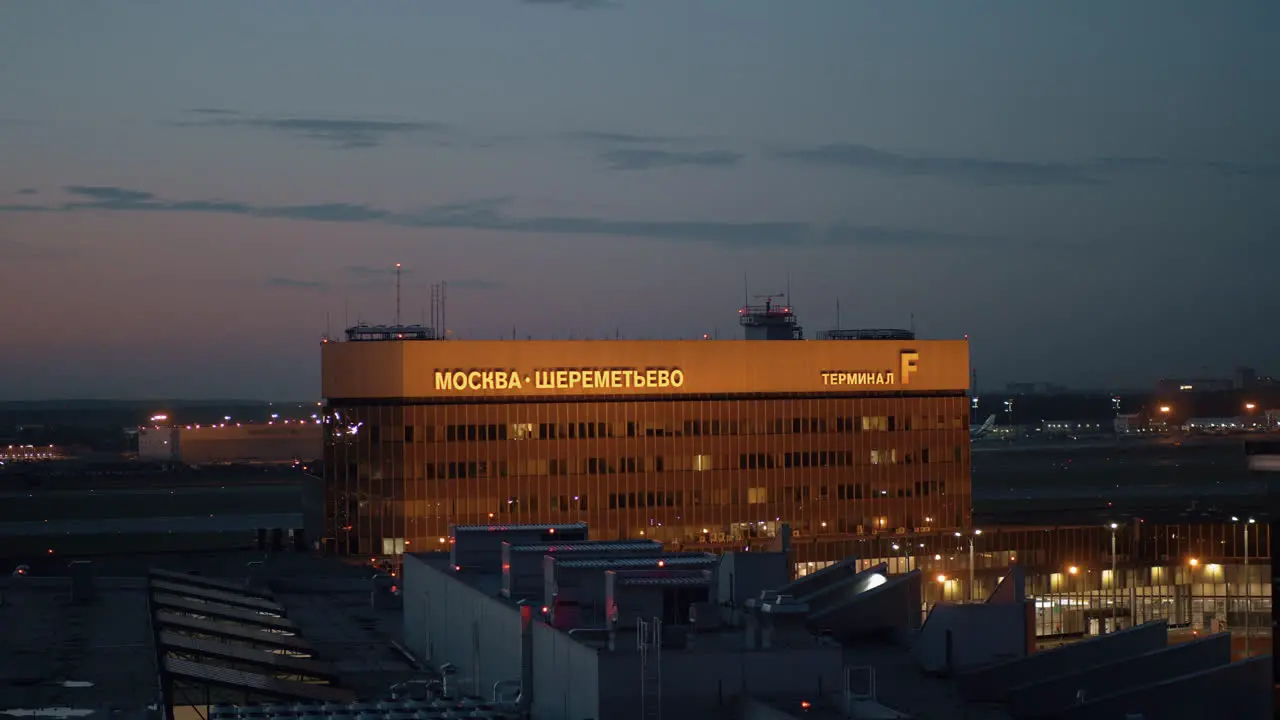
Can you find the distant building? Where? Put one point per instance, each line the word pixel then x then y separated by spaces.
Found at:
pixel 1213 424
pixel 21 453
pixel 274 442
pixel 1246 377
pixel 1070 427
pixel 1035 388
pixel 1173 385
pixel 694 442
pixel 1129 423
pixel 158 444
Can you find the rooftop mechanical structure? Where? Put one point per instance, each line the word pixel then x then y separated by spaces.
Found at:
pixel 867 334
pixel 769 321
pixel 374 333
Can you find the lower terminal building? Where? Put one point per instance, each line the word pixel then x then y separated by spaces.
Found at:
pixel 276 442
pixel 687 442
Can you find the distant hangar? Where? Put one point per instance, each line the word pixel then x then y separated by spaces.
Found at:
pixel 274 442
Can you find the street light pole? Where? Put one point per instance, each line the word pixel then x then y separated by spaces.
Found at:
pixel 972 538
pixel 1247 597
pixel 1113 577
pixel 971 570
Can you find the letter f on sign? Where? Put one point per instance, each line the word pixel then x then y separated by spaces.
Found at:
pixel 907 364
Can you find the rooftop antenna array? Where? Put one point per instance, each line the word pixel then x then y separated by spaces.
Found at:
pixel 398 295
pixel 840 333
pixel 362 332
pixel 769 320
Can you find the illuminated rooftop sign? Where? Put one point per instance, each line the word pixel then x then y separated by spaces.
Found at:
pixel 485 379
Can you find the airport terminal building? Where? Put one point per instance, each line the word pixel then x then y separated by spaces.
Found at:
pixel 704 442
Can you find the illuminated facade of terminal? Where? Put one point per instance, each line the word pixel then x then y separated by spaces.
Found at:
pixel 691 442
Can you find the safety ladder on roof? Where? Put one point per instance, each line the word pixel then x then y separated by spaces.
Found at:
pixel 855 691
pixel 649 642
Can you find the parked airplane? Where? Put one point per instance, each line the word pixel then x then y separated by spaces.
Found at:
pixel 977 431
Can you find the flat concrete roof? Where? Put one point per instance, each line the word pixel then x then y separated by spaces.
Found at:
pixel 86 657
pixel 341 624
pixel 183 525
pixel 101 653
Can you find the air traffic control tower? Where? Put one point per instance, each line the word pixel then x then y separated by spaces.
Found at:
pixel 770 321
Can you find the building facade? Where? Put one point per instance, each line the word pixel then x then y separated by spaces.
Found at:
pixel 689 442
pixel 271 442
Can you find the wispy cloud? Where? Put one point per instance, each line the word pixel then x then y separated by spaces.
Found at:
pixel 13 250
pixel 1257 171
pixel 575 4
pixel 356 277
pixel 345 134
pixel 28 191
pixel 366 272
pixel 646 159
pixel 983 171
pixel 296 284
pixel 989 171
pixel 474 284
pixel 626 151
pixel 620 138
pixel 493 214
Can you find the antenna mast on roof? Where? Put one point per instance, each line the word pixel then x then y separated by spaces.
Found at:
pixel 397 294
pixel 435 308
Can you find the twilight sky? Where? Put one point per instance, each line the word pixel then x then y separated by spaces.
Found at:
pixel 1091 190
